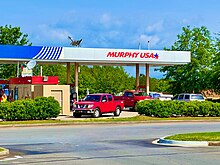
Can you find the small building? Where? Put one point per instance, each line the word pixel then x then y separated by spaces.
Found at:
pixel 31 87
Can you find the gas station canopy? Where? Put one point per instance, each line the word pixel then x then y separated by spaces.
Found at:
pixel 92 56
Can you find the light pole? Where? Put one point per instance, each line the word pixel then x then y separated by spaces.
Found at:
pixel 148 45
pixel 139 45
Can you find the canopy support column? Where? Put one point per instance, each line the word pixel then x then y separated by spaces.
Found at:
pixel 68 73
pixel 147 79
pixel 18 69
pixel 137 76
pixel 76 79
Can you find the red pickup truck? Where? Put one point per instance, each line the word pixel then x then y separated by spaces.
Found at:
pixel 97 104
pixel 131 97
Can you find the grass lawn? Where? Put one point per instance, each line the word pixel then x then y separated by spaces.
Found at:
pixel 202 136
pixel 110 120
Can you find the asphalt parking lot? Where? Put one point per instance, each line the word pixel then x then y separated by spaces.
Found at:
pixel 124 114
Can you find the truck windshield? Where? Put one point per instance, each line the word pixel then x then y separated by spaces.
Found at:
pixel 95 98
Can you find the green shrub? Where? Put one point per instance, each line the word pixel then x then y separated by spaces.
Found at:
pixel 38 109
pixel 17 111
pixel 204 108
pixel 192 108
pixel 142 108
pixel 155 108
pixel 159 108
pixel 4 108
pixel 163 109
pixel 46 107
pixel 29 109
pixel 215 109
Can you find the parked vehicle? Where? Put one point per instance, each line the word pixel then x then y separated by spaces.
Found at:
pixel 189 97
pixel 97 104
pixel 131 97
pixel 161 96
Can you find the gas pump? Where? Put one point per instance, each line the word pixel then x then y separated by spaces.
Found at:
pixel 73 96
pixel 16 93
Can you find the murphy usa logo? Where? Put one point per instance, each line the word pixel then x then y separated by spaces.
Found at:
pixel 133 55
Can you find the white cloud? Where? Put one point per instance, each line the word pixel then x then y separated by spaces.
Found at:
pixel 47 34
pixel 53 33
pixel 157 27
pixel 105 19
pixel 153 40
pixel 185 21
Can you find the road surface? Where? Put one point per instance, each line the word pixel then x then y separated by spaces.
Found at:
pixel 112 144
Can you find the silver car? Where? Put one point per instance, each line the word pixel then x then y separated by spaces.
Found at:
pixel 189 97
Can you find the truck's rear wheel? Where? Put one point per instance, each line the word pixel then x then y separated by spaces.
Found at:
pixel 96 113
pixel 117 111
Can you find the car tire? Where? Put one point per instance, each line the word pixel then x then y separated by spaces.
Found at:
pixel 96 113
pixel 76 115
pixel 117 111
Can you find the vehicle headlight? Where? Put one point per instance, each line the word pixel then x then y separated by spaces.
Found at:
pixel 90 105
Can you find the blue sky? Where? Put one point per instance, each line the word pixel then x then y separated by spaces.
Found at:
pixel 110 23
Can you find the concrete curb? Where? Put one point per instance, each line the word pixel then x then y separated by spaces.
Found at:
pixel 3 153
pixel 177 143
pixel 165 142
pixel 87 122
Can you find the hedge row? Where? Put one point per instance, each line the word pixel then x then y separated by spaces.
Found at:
pixel 40 108
pixel 158 108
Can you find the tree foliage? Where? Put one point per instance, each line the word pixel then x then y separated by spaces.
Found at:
pixel 216 67
pixel 11 36
pixel 53 70
pixel 156 85
pixel 104 79
pixel 202 73
pixel 96 79
pixel 194 76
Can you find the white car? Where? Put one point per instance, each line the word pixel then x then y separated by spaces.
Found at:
pixel 161 96
pixel 189 97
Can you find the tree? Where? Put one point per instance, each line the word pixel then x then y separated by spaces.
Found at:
pixel 86 81
pixel 193 77
pixel 156 85
pixel 96 79
pixel 54 70
pixel 163 86
pixel 11 36
pixel 104 79
pixel 216 68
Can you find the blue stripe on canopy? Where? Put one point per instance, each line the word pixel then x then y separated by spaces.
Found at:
pixel 30 52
